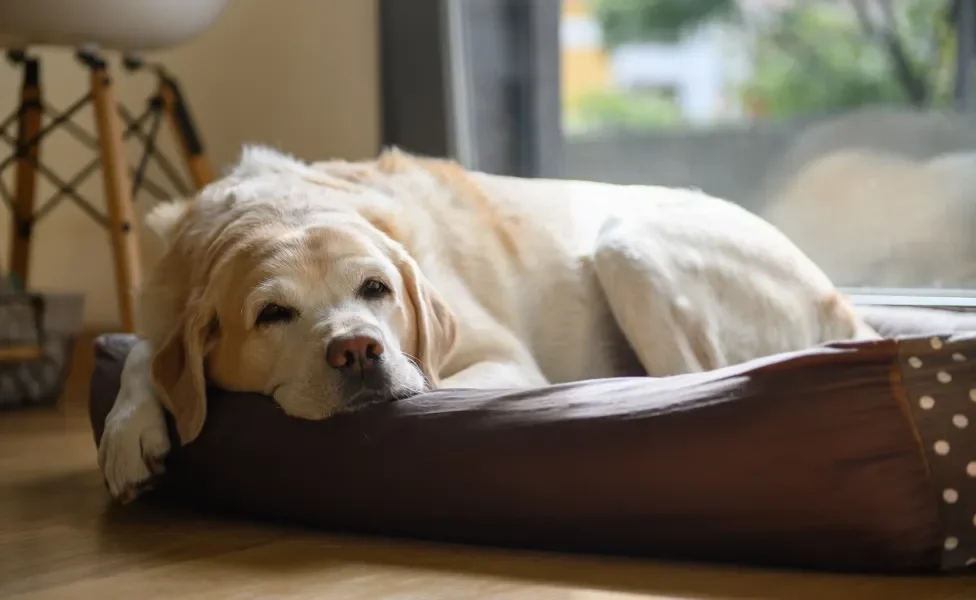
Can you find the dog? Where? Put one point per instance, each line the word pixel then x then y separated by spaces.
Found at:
pixel 335 285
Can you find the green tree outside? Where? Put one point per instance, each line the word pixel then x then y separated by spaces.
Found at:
pixel 820 56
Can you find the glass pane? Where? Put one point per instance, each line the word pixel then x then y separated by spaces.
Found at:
pixel 846 123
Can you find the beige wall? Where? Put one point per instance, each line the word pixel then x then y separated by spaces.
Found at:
pixel 298 74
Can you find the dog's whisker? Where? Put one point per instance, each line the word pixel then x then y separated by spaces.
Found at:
pixel 416 363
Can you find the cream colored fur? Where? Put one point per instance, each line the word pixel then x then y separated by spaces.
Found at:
pixel 495 282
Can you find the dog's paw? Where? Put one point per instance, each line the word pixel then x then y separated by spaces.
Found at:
pixel 134 445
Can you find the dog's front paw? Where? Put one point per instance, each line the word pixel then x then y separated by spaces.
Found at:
pixel 134 444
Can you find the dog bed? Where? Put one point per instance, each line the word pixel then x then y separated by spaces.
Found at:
pixel 852 457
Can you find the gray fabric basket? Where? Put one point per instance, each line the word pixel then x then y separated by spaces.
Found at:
pixel 51 321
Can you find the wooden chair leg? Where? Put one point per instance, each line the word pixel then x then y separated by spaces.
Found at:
pixel 27 153
pixel 20 354
pixel 180 119
pixel 118 194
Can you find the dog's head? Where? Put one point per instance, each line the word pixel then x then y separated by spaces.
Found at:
pixel 280 279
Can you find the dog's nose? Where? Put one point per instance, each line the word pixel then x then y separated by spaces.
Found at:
pixel 359 350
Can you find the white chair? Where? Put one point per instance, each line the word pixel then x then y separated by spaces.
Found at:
pixel 128 27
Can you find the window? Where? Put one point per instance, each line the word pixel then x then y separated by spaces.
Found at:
pixel 849 124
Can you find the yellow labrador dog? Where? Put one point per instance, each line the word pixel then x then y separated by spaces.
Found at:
pixel 334 285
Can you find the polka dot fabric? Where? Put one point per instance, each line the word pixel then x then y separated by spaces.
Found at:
pixel 939 377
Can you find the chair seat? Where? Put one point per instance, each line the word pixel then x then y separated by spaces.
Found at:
pixel 123 25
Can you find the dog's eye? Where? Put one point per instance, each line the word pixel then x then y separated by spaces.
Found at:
pixel 373 288
pixel 275 313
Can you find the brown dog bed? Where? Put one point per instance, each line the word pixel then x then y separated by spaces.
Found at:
pixel 847 457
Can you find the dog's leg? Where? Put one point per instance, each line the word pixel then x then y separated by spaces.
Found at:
pixel 652 316
pixel 699 296
pixel 135 440
pixel 490 356
pixel 492 374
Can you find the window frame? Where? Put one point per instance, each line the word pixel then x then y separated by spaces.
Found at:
pixel 511 124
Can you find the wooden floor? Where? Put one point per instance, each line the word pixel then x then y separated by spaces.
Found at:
pixel 60 537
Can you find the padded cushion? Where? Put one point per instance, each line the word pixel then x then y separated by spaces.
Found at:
pixel 895 321
pixel 813 459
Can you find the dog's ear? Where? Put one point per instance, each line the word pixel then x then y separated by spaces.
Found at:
pixel 384 220
pixel 164 218
pixel 177 370
pixel 258 160
pixel 434 321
